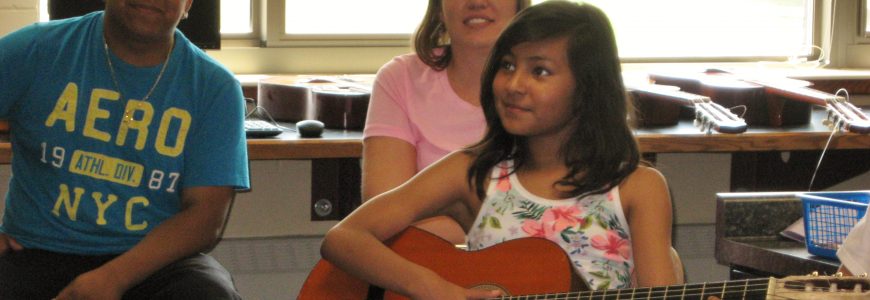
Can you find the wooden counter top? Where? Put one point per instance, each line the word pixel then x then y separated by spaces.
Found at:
pixel 288 145
pixel 682 138
pixel 685 138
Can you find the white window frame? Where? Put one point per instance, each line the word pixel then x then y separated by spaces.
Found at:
pixel 275 36
pixel 272 35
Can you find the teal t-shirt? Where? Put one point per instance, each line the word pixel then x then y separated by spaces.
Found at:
pixel 84 180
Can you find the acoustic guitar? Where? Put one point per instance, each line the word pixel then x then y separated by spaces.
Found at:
pixel 534 268
pixel 768 100
pixel 340 102
pixel 709 115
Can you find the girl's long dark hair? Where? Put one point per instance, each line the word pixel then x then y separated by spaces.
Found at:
pixel 601 150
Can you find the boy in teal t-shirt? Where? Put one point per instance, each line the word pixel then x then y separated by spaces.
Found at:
pixel 127 146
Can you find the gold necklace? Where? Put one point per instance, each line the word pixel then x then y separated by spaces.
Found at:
pixel 128 113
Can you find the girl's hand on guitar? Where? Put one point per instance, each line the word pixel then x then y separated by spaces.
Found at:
pixel 477 294
pixel 444 289
pixel 7 243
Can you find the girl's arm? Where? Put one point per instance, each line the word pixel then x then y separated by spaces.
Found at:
pixel 356 243
pixel 648 209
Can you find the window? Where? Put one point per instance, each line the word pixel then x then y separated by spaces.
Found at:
pixel 722 28
pixel 236 17
pixel 645 29
pixel 353 17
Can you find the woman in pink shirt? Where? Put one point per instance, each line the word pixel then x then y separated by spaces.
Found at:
pixel 427 104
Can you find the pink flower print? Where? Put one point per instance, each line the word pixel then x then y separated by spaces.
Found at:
pixel 610 196
pixel 615 247
pixel 562 217
pixel 536 229
pixel 504 183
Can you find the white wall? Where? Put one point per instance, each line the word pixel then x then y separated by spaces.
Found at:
pixel 17 13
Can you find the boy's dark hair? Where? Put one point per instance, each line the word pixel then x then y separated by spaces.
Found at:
pixel 601 150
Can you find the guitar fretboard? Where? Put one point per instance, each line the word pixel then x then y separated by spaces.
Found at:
pixel 726 290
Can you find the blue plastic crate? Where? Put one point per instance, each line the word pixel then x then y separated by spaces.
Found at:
pixel 828 218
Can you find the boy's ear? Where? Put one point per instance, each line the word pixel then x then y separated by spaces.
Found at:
pixel 187 8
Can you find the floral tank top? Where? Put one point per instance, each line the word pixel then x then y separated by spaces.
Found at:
pixel 592 230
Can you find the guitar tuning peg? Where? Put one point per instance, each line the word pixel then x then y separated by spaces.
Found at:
pixel 838 274
pixel 815 274
pixel 863 275
pixel 707 127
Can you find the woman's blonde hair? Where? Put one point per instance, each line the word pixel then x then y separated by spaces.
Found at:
pixel 432 34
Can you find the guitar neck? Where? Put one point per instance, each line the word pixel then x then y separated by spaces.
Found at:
pixel 793 287
pixel 799 93
pixel 667 93
pixel 726 290
pixel 839 107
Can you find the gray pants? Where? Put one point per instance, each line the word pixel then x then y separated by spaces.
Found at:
pixel 38 274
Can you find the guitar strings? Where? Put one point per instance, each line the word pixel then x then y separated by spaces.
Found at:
pixel 761 285
pixel 742 113
pixel 834 130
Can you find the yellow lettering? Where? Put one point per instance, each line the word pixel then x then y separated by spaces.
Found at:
pixel 128 217
pixel 65 108
pixel 63 198
pixel 141 126
pixel 172 114
pixel 95 112
pixel 102 206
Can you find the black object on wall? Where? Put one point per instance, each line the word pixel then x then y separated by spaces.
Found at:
pixel 202 27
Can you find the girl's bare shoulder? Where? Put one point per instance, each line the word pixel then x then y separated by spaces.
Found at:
pixel 644 173
pixel 642 182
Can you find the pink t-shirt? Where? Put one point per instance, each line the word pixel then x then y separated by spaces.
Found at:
pixel 413 102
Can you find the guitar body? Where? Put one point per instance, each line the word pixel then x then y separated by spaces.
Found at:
pixel 519 267
pixel 341 107
pixel 654 110
pixel 326 281
pixel 337 102
pixel 534 268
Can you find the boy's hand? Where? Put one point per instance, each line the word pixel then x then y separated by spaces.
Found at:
pixel 91 285
pixel 7 243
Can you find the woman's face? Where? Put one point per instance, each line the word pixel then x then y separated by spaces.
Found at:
pixel 476 23
pixel 534 88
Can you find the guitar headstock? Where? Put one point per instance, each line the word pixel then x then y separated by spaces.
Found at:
pixel 709 115
pixel 843 115
pixel 820 287
pixel 712 116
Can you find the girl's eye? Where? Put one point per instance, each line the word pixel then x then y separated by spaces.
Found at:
pixel 540 71
pixel 507 66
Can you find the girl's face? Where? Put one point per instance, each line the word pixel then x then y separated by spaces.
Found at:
pixel 534 88
pixel 476 22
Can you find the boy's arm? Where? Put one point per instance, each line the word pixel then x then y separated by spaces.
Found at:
pixel 195 228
